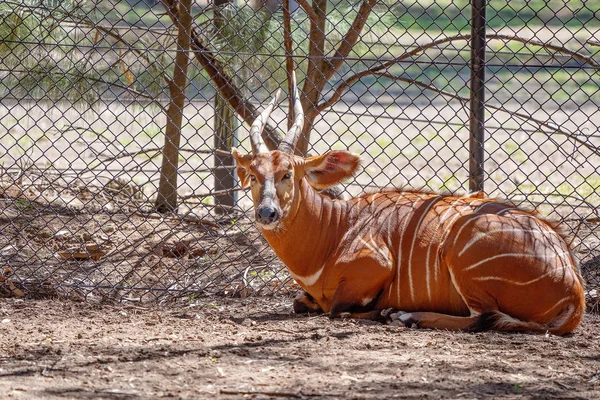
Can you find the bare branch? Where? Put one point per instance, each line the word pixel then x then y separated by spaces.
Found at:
pixel 119 38
pixel 309 11
pixel 593 43
pixel 128 89
pixel 349 41
pixel 247 111
pixel 224 84
pixel 524 117
pixel 423 85
pixel 384 66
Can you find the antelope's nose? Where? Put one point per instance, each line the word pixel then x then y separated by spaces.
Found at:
pixel 266 215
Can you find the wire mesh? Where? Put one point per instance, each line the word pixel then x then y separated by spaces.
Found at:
pixel 87 94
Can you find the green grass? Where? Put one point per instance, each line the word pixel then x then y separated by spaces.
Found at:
pixel 383 141
pixel 419 141
pixel 454 16
pixel 126 140
pixel 151 131
pixel 445 182
pixel 429 15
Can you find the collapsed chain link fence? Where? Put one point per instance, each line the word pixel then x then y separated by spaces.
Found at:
pixel 117 119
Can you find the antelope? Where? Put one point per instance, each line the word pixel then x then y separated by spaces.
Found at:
pixel 420 259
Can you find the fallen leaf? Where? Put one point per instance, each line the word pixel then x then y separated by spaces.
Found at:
pixel 90 247
pixel 175 250
pixel 198 252
pixel 15 290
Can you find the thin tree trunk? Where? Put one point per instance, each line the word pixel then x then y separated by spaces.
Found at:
pixel 315 81
pixel 289 61
pixel 321 68
pixel 167 187
pixel 224 124
pixel 215 70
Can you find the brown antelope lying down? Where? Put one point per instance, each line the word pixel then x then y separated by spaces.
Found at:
pixel 445 262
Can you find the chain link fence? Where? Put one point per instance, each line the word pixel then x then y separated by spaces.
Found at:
pixel 117 118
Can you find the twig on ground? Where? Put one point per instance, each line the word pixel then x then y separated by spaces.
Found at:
pixel 267 393
pixel 562 385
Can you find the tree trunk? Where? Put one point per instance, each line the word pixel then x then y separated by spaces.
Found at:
pixel 167 188
pixel 224 139
pixel 315 81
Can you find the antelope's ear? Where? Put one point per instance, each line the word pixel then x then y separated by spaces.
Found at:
pixel 242 163
pixel 330 168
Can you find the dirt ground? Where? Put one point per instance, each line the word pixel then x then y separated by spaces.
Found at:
pixel 257 348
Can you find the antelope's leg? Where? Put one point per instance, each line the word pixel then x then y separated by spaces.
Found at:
pixel 432 320
pixel 305 303
pixel 378 315
pixel 348 303
pixel 357 295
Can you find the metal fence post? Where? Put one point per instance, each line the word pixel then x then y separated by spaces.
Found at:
pixel 477 95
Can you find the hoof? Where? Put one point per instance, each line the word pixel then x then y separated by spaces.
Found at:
pixel 304 304
pixel 403 318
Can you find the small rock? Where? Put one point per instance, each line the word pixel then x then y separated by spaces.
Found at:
pixel 248 322
pixel 45 234
pixel 91 247
pixel 9 250
pixel 62 235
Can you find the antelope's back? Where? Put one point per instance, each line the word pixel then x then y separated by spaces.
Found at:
pixel 419 234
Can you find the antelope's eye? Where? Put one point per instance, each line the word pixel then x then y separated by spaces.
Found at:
pixel 252 178
pixel 287 176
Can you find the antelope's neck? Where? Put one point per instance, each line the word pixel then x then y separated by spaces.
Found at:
pixel 310 233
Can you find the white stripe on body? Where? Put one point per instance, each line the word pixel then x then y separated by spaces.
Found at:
pixel 477 216
pixel 464 299
pixel 390 219
pixel 514 255
pixel 557 304
pixel 434 200
pixel 407 218
pixel 480 236
pixel 499 278
pixel 436 263
pixel 309 280
pixel 383 257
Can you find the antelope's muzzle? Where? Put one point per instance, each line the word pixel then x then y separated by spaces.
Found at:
pixel 266 215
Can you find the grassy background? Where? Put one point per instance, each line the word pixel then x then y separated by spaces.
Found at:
pixel 447 15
